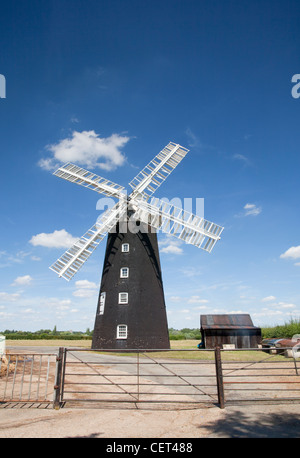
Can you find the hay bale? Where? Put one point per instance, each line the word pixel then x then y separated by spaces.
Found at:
pixel 6 365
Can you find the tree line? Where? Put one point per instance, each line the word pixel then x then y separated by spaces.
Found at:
pixel 48 334
pixel 287 330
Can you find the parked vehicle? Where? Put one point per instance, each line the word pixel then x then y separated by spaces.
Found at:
pixel 286 346
pixel 280 346
pixel 270 344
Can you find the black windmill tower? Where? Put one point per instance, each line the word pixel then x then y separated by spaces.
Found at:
pixel 131 312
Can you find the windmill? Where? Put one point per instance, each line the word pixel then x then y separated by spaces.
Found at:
pixel 131 310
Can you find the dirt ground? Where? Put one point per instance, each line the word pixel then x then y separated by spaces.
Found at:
pixel 247 421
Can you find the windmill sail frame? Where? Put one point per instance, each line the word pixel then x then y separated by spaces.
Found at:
pixel 160 215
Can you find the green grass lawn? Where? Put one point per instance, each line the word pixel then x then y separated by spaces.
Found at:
pixel 177 346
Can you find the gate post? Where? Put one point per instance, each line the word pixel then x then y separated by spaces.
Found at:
pixel 219 376
pixel 57 383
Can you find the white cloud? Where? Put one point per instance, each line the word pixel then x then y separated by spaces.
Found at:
pixel 17 258
pixel 84 293
pixel 285 305
pixel 55 302
pixel 267 313
pixel 85 288
pixel 268 299
pixel 56 239
pixel 22 281
pixel 191 271
pixel 272 306
pixel 170 246
pixel 35 258
pixel 6 297
pixel 197 300
pixel 198 303
pixel 201 307
pixel 278 308
pixel 5 315
pixel 249 210
pixel 172 249
pixel 62 307
pixel 193 140
pixel 252 210
pixel 86 148
pixel 293 253
pixel 86 284
pixel 242 158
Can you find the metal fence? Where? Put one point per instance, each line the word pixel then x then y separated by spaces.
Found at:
pixel 167 377
pixel 270 378
pixel 27 377
pixel 178 376
pixel 137 377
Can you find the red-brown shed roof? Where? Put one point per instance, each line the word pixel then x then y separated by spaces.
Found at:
pixel 231 321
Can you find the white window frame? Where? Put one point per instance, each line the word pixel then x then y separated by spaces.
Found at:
pixel 124 272
pixel 122 331
pixel 123 298
pixel 102 303
pixel 125 247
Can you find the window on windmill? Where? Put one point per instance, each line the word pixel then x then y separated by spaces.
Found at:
pixel 124 273
pixel 123 298
pixel 101 303
pixel 125 247
pixel 122 331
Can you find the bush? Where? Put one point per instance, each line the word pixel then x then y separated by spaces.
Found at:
pixel 23 335
pixel 178 336
pixel 184 334
pixel 280 331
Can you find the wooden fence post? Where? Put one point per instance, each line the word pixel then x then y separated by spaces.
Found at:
pixel 57 383
pixel 219 376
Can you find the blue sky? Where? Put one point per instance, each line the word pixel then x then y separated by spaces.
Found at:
pixel 108 84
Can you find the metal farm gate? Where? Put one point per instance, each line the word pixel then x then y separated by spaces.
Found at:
pixel 27 377
pixel 136 377
pixel 166 378
pixel 269 378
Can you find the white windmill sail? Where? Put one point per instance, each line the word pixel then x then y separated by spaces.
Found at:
pixel 72 260
pixel 155 173
pixel 184 225
pixel 159 214
pixel 75 174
